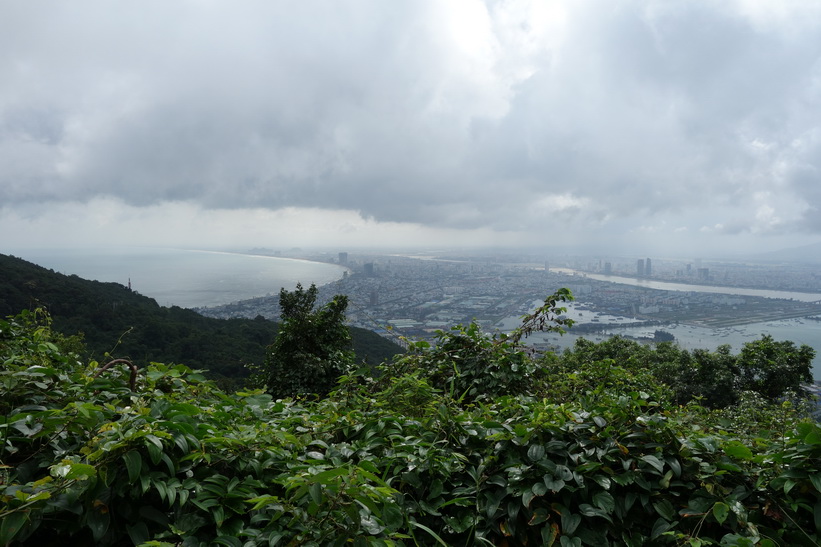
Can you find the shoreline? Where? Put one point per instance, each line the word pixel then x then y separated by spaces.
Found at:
pixel 673 286
pixel 186 277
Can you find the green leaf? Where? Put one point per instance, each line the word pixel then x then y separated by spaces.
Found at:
pixel 549 534
pixel 570 522
pixel 720 511
pixel 392 516
pixel 325 477
pixel 674 465
pixel 439 540
pixel 228 541
pixel 315 490
pixel 589 511
pixel 10 526
pixel 564 472
pixel 665 481
pixel 219 515
pixel 540 489
pixel 789 484
pixel 462 501
pixel 737 540
pixel 154 450
pixel 133 464
pixel 98 521
pixel 654 461
pixel 602 481
pixel 604 501
pixel 138 533
pixel 540 515
pixel 436 488
pixel 162 489
pixel 570 542
pixel 535 452
pixel 738 450
pixel 554 485
pixel 80 471
pixel 665 509
pixel 816 481
pixel 494 499
pixel 659 527
pixel 814 436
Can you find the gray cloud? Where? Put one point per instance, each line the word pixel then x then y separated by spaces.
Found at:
pixel 587 115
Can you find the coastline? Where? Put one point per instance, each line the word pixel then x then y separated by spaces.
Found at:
pixel 187 278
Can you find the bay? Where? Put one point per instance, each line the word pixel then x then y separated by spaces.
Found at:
pixel 186 277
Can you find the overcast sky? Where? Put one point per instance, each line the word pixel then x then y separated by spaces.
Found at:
pixel 688 128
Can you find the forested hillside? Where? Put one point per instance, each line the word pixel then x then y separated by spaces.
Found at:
pixel 124 323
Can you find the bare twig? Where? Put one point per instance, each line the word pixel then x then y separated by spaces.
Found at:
pixel 132 381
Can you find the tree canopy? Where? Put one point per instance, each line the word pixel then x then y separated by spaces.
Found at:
pixel 717 379
pixel 312 348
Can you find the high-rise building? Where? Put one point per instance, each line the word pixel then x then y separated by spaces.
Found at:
pixel 608 268
pixel 648 269
pixel 640 267
pixel 369 269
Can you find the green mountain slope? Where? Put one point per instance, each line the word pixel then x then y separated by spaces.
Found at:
pixel 116 320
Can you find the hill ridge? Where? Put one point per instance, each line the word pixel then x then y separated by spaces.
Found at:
pixel 117 320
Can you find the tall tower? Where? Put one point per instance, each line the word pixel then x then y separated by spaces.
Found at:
pixel 648 269
pixel 640 267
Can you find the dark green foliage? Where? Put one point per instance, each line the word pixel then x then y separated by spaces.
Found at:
pixel 312 347
pixel 399 461
pixel 470 365
pixel 126 324
pixel 775 368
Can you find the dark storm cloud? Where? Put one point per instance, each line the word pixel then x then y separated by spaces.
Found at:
pixel 458 115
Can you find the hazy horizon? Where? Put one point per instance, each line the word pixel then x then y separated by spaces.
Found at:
pixel 638 127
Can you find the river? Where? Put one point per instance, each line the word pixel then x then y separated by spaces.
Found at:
pixel 800 330
pixel 684 287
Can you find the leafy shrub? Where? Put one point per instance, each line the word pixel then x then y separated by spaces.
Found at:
pixel 469 365
pixel 176 461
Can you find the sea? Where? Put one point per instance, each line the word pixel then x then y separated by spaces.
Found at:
pixel 188 278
